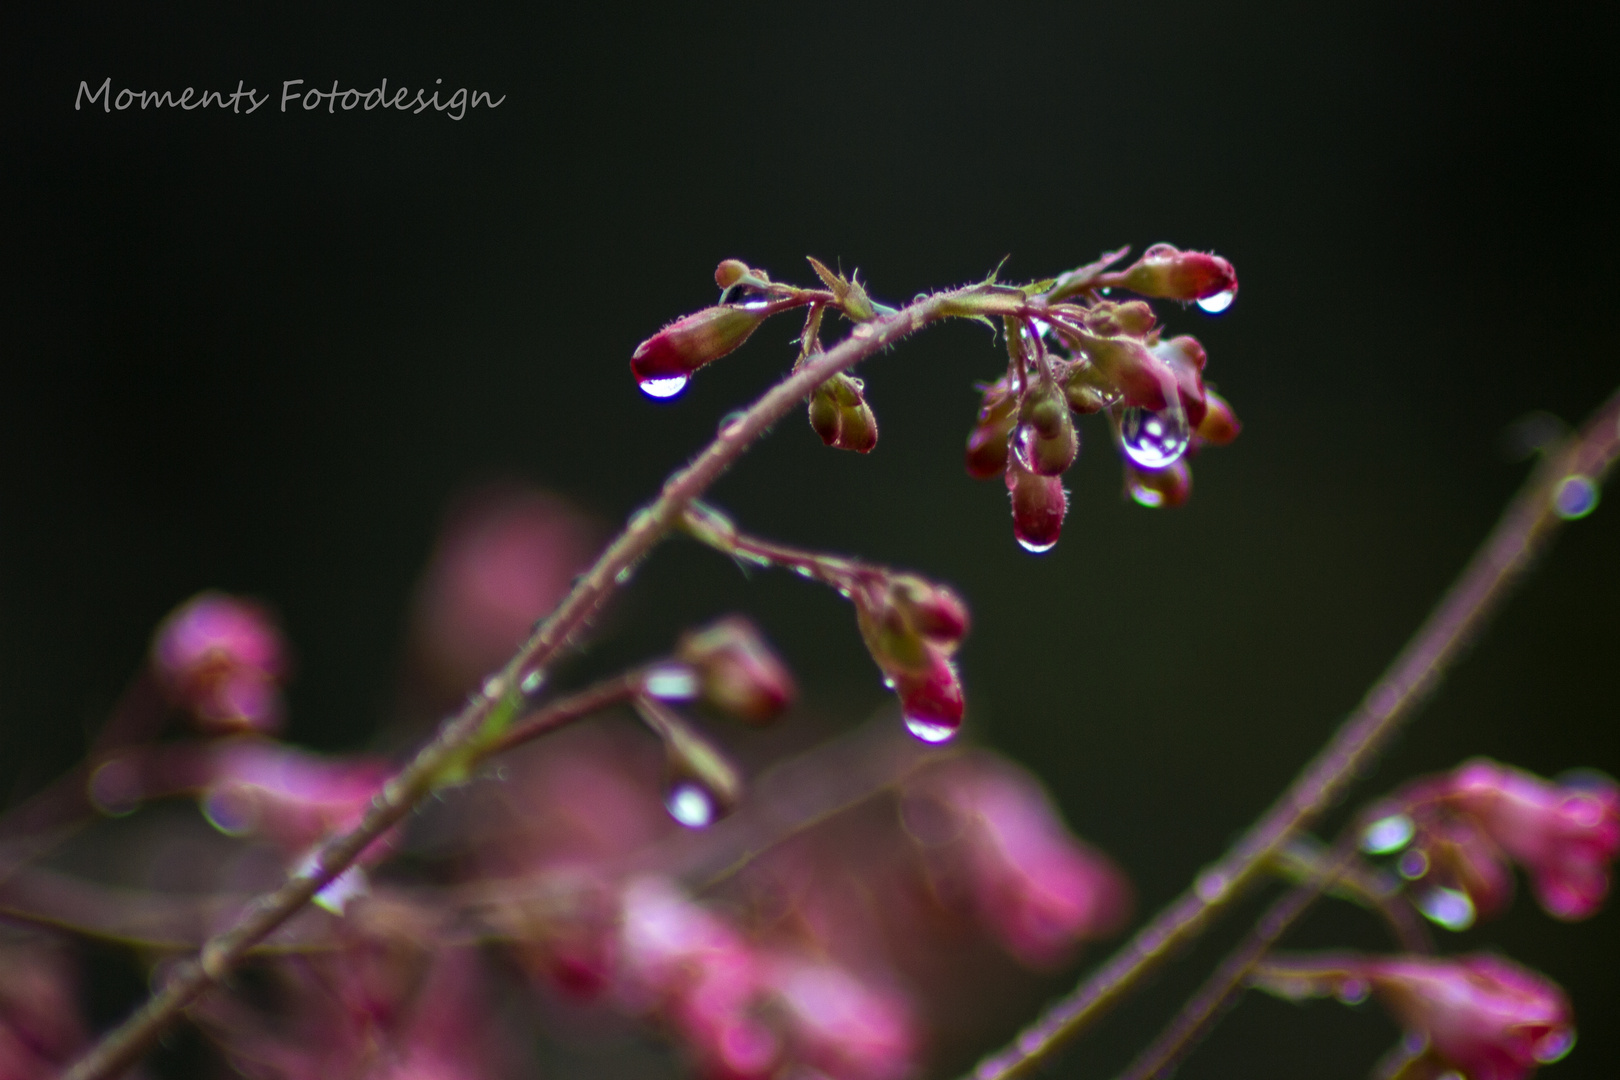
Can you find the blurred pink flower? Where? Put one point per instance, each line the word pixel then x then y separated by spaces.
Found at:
pixel 505 557
pixel 40 1029
pixel 222 658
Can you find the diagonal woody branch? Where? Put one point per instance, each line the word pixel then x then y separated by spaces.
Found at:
pixel 468 735
pixel 1526 526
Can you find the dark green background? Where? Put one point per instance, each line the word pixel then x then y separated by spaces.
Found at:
pixel 261 352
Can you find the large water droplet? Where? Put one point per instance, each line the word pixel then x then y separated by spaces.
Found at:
pixel 1387 834
pixel 664 388
pixel 929 729
pixel 1032 546
pixel 1447 907
pixel 1553 1046
pixel 691 804
pixel 1154 440
pixel 1219 302
pixel 1575 497
pixel 671 682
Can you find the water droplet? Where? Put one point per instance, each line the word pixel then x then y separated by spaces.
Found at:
pixel 1219 302
pixel 690 803
pixel 1142 494
pixel 623 576
pixel 730 421
pixel 1032 546
pixel 804 571
pixel 1554 1045
pixel 1447 907
pixel 664 388
pixel 1387 834
pixel 1352 991
pixel 115 788
pixel 1413 865
pixel 1575 497
pixel 1210 886
pixel 1154 440
pixel 230 809
pixel 929 729
pixel 1023 441
pixel 340 890
pixel 532 682
pixel 671 682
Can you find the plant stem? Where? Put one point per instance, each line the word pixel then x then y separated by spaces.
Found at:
pixel 1222 989
pixel 1497 567
pixel 125 1044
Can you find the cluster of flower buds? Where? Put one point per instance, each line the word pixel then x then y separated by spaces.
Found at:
pixel 1479 1015
pixel 222 659
pixel 1454 836
pixel 1073 357
pixel 912 627
pixel 994 839
pixel 741 1009
pixel 840 415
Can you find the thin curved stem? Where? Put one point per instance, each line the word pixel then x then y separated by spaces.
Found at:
pixel 459 736
pixel 1529 521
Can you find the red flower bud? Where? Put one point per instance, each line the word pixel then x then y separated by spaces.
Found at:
pixel 1185 357
pixel 931 698
pixel 1220 424
pixel 987 442
pixel 222 659
pixel 1038 506
pixel 1131 368
pixel 1167 271
pixel 739 673
pixel 1134 318
pixel 1086 390
pixel 690 342
pixel 840 415
pixel 930 610
pixel 730 272
pixel 1170 486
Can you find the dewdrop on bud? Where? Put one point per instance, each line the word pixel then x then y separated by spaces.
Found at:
pixel 1045 441
pixel 737 672
pixel 664 362
pixel 931 699
pixel 1167 271
pixel 1039 504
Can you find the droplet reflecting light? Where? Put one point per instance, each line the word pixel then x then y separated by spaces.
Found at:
pixel 1554 1045
pixel 664 388
pixel 929 730
pixel 1575 497
pixel 1447 907
pixel 1219 302
pixel 671 682
pixel 1032 546
pixel 1154 440
pixel 1387 834
pixel 691 804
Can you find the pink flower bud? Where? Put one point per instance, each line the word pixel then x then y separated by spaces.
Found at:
pixel 1184 356
pixel 1220 424
pixel 1564 836
pixel 291 798
pixel 1039 504
pixel 1130 368
pixel 739 673
pixel 841 1025
pixel 931 698
pixel 222 659
pixel 1133 317
pixel 987 442
pixel 1167 271
pixel 1482 1015
pixel 931 610
pixel 840 415
pixel 1155 488
pixel 690 342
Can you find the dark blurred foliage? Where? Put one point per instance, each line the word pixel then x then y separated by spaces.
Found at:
pixel 263 353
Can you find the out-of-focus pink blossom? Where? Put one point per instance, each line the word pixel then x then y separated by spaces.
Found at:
pixel 222 658
pixel 1564 836
pixel 842 1026
pixel 505 557
pixel 737 671
pixel 40 1029
pixel 1037 888
pixel 1482 1015
pixel 289 797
